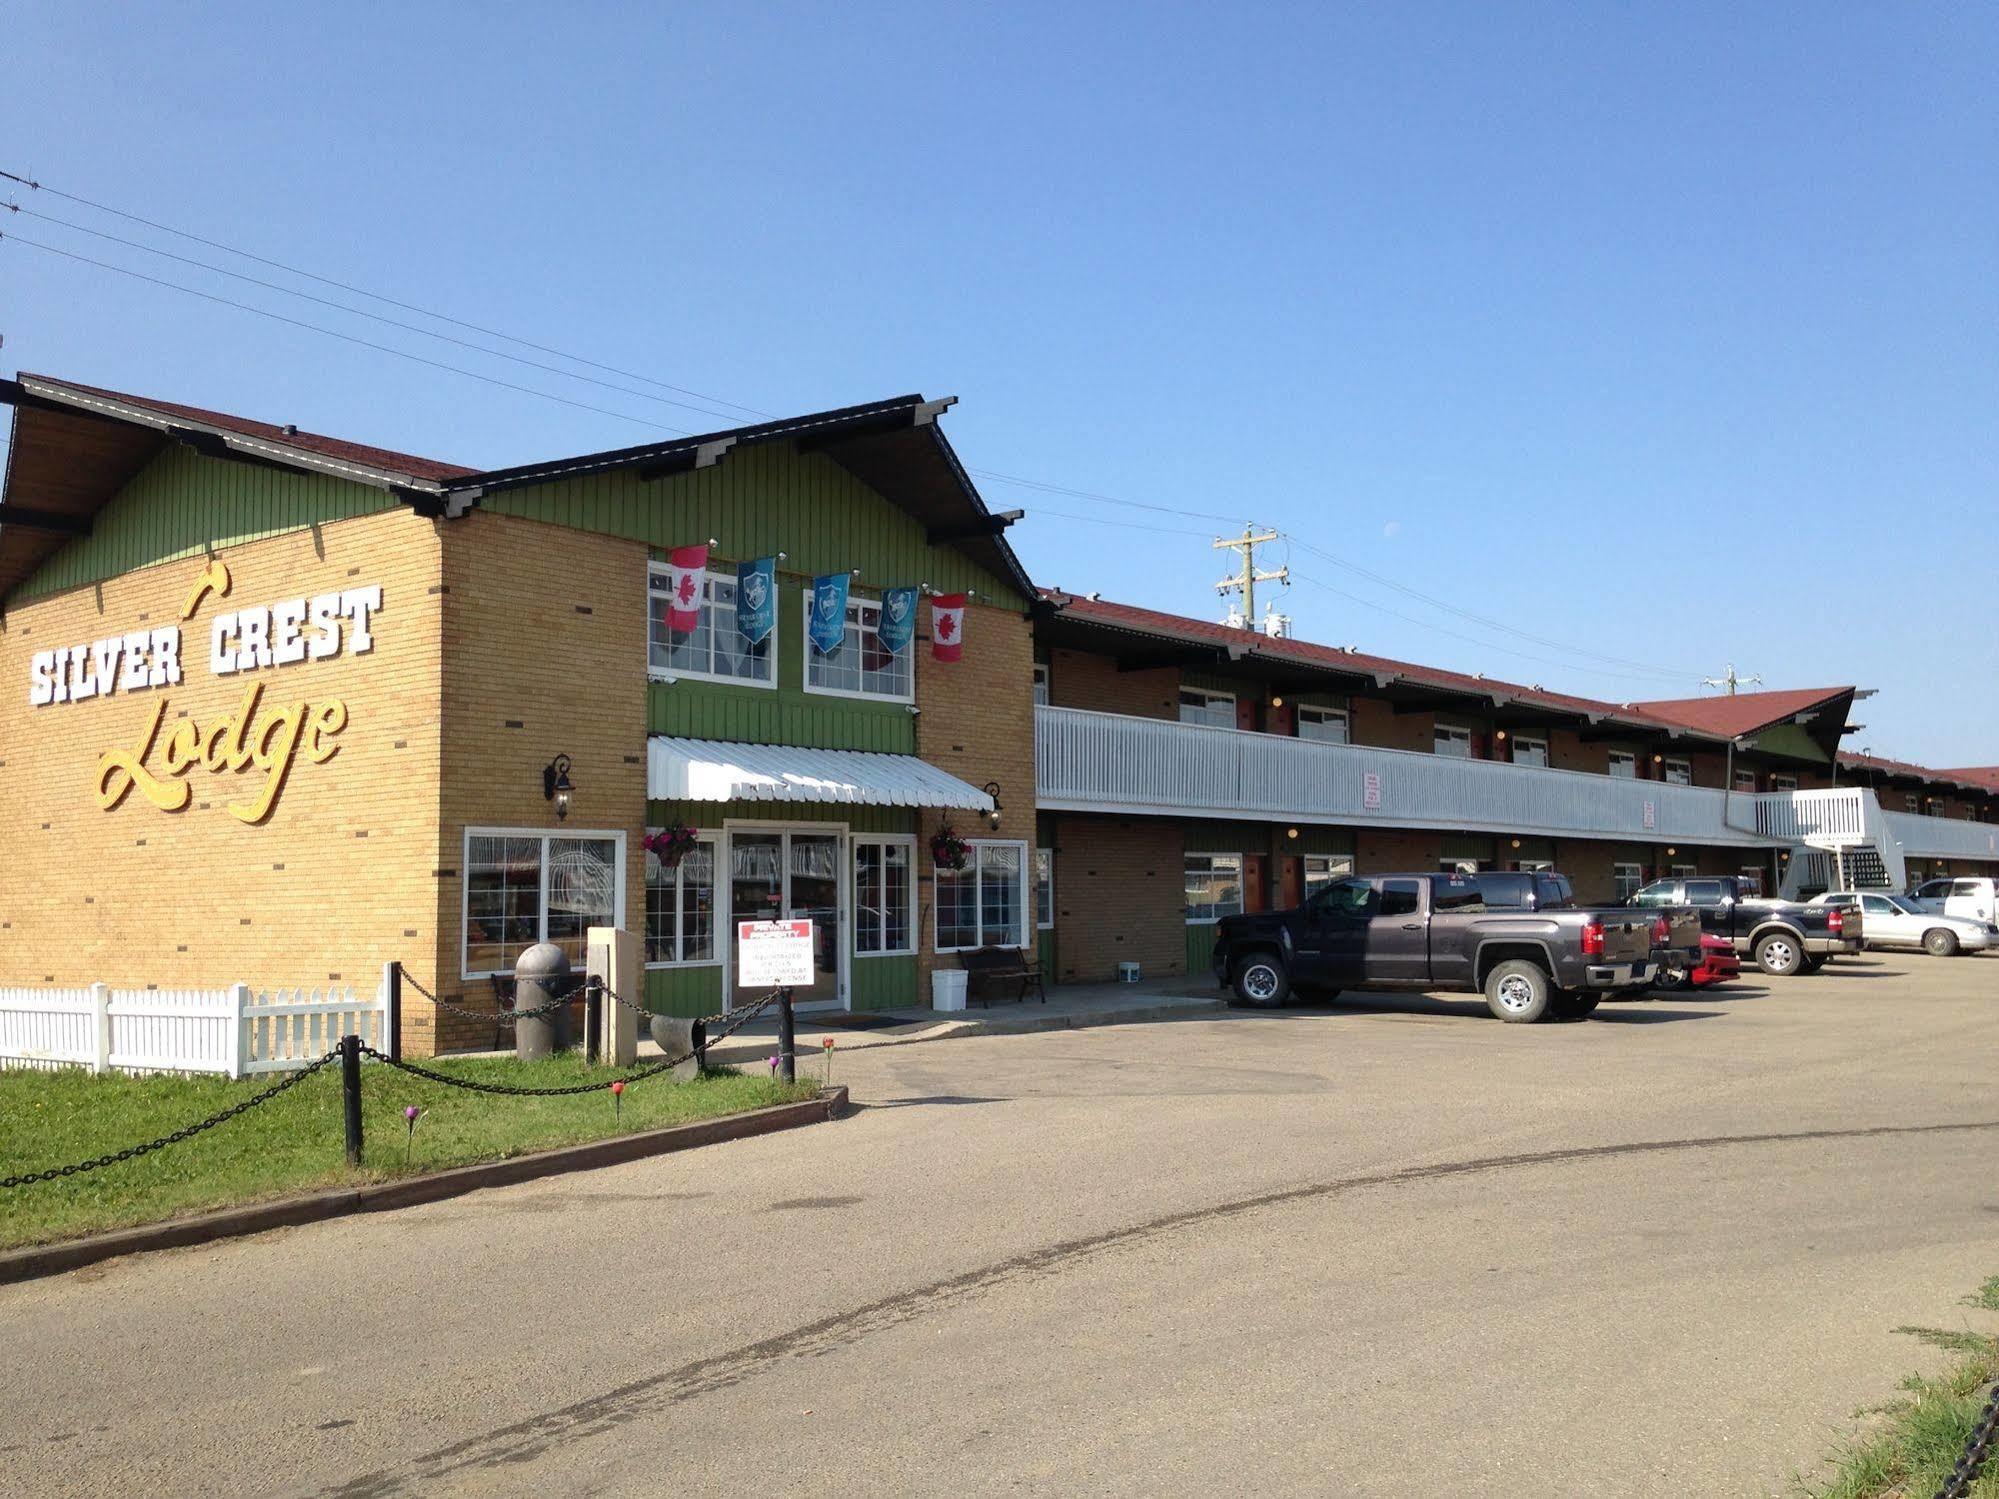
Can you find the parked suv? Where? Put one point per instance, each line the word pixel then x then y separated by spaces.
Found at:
pixel 1783 936
pixel 1517 938
pixel 1969 896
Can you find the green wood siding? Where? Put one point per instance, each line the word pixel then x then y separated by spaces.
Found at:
pixel 184 505
pixel 756 502
pixel 886 984
pixel 688 992
pixel 1791 739
pixel 855 818
pixel 1200 948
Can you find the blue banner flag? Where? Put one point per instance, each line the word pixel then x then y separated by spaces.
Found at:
pixel 898 620
pixel 829 611
pixel 756 599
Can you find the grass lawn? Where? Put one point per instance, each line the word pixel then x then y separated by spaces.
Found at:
pixel 294 1142
pixel 1918 1436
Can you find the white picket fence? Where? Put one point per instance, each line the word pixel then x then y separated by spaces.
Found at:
pixel 237 1030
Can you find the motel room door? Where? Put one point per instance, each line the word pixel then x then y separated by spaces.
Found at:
pixel 792 874
pixel 1256 882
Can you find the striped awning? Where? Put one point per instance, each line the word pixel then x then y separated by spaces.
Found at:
pixel 708 770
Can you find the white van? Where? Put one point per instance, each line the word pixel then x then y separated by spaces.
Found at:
pixel 1969 896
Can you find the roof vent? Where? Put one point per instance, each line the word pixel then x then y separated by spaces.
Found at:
pixel 290 429
pixel 1478 676
pixel 1093 597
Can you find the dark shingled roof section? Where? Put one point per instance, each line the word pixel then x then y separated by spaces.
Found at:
pixel 309 442
pixel 1731 715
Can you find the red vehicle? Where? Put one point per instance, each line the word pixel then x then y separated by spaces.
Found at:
pixel 1718 963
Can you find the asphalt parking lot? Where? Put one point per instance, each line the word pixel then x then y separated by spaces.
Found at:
pixel 1389 1247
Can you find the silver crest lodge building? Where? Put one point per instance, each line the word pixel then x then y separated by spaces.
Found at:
pixel 286 707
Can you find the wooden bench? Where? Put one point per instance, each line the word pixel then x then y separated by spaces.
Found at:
pixel 1001 965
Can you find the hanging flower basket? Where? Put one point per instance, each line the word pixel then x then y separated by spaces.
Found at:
pixel 948 850
pixel 670 845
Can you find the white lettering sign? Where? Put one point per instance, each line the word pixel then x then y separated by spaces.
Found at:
pixel 776 954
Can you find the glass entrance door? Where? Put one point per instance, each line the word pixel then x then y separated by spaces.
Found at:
pixel 792 876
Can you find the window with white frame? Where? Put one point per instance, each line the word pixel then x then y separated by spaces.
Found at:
pixel 1625 880
pixel 1214 886
pixel 985 903
pixel 1044 888
pixel 1745 780
pixel 1624 763
pixel 1751 877
pixel 1528 750
pixel 860 665
pixel 1329 725
pixel 1682 871
pixel 680 907
pixel 524 887
pixel 1461 866
pixel 884 896
pixel 1041 684
pixel 1322 869
pixel 1453 740
pixel 1216 709
pixel 1677 772
pixel 1911 802
pixel 1783 783
pixel 714 650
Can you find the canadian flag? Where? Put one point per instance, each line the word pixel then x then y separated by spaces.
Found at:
pixel 947 626
pixel 690 582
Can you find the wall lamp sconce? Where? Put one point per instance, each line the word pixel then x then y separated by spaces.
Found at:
pixel 1658 759
pixel 1501 736
pixel 1291 833
pixel 555 785
pixel 1672 853
pixel 1276 700
pixel 992 789
pixel 1516 843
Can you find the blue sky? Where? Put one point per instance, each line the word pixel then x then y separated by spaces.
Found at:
pixel 1669 334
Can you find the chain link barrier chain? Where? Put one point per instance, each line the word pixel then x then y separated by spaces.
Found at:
pixel 1976 1450
pixel 502 1017
pixel 133 1152
pixel 735 1023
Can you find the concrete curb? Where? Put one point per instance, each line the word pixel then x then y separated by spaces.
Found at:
pixel 39 1260
pixel 736 1053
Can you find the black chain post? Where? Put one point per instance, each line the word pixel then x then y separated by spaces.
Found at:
pixel 593 1018
pixel 392 1023
pixel 350 1094
pixel 787 1038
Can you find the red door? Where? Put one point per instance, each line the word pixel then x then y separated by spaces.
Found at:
pixel 1255 885
pixel 1293 878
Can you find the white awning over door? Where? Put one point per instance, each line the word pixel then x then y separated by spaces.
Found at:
pixel 708 770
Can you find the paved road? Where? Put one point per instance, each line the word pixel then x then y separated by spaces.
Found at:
pixel 1399 1249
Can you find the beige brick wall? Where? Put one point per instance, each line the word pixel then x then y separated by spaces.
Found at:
pixel 1120 896
pixel 544 632
pixel 975 719
pixel 334 882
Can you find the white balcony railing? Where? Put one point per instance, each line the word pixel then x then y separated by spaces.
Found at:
pixel 1087 761
pixel 1942 837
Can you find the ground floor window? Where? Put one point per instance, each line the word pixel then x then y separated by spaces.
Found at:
pixel 1322 869
pixel 884 889
pixel 526 887
pixel 1532 866
pixel 1214 886
pixel 1752 879
pixel 1682 871
pixel 680 907
pixel 985 903
pixel 1044 888
pixel 1462 866
pixel 1625 880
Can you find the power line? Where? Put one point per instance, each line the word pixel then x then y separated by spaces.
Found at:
pixel 279 265
pixel 289 291
pixel 278 317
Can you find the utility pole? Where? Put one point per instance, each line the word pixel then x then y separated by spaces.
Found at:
pixel 1731 681
pixel 1245 582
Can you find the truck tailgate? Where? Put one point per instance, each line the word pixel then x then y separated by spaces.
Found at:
pixel 1627 939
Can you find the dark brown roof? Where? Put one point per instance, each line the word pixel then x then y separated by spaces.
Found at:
pixel 1733 715
pixel 1970 778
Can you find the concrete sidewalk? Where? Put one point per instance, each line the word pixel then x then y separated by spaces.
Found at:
pixel 1070 1006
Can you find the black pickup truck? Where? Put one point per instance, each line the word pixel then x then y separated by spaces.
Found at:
pixel 1783 936
pixel 1517 938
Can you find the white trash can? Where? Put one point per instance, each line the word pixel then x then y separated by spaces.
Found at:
pixel 947 989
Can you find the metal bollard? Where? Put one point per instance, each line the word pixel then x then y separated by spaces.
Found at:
pixel 350 1094
pixel 392 1022
pixel 593 1014
pixel 787 1038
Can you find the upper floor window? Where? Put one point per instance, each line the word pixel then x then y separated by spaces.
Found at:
pixel 714 650
pixel 1216 709
pixel 1327 724
pixel 860 665
pixel 1677 772
pixel 1452 740
pixel 1529 751
pixel 1041 684
pixel 1624 763
pixel 1745 780
pixel 1783 783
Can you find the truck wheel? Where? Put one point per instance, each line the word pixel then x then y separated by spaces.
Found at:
pixel 1261 980
pixel 1780 953
pixel 1940 942
pixel 1519 992
pixel 1670 978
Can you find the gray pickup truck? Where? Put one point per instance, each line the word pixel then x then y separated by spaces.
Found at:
pixel 1518 939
